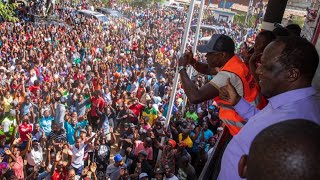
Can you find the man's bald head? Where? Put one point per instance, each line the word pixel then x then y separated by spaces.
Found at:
pixel 286 150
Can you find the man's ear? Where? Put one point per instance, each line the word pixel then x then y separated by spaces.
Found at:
pixel 242 166
pixel 293 74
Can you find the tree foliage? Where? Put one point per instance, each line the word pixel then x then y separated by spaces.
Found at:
pixel 240 18
pixel 7 11
pixel 140 3
pixel 298 20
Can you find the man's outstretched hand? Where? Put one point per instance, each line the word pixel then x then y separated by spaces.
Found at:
pixel 229 93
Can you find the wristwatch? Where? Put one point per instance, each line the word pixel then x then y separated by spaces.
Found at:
pixel 181 68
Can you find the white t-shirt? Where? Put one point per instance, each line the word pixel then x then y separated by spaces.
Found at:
pixel 6 124
pixel 221 78
pixel 77 158
pixel 34 158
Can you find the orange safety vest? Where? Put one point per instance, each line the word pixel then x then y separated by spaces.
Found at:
pixel 251 93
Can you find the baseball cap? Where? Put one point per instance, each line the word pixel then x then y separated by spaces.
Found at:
pixel 117 158
pixel 172 142
pixel 83 130
pixel 218 43
pixel 142 175
pixel 131 125
pixel 126 125
pixel 34 139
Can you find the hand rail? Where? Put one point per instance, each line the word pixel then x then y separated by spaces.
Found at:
pixel 212 167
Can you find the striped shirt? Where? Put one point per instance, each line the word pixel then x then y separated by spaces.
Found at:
pixel 57 136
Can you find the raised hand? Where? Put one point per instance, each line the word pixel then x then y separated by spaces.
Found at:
pixel 111 130
pixel 31 109
pixel 229 93
pixel 29 136
pixel 16 141
pixel 93 167
pixel 186 59
pixel 85 171
pixel 49 148
pixel 7 151
pixel 58 156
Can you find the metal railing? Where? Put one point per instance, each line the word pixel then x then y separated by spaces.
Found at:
pixel 212 167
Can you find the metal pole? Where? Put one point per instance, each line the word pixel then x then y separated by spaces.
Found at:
pixel 194 49
pixel 177 75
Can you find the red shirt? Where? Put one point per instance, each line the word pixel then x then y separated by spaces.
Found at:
pixel 47 78
pixel 97 102
pixel 58 176
pixel 136 109
pixel 24 129
pixel 134 46
pixel 34 89
pixel 78 77
pixel 140 92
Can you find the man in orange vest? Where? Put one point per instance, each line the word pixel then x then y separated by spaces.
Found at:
pixel 226 66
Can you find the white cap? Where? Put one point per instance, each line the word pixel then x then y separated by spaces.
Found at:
pixel 142 175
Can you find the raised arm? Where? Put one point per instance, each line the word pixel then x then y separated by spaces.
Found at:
pixel 202 68
pixel 90 139
pixel 9 153
pixel 93 168
pixel 32 115
pixel 12 136
pixel 57 160
pixel 28 148
pixel 52 110
pixel 76 132
pixel 196 95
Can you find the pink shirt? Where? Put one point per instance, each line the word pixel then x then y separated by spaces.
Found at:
pixel 147 127
pixel 17 168
pixel 139 147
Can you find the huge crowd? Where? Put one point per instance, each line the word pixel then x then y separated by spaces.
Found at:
pixel 80 100
pixel 74 91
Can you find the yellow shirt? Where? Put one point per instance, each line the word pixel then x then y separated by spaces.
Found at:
pixel 152 114
pixel 188 140
pixel 7 103
pixel 159 56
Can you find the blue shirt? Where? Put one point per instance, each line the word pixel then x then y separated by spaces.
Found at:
pixel 166 108
pixel 70 129
pixel 207 134
pixel 45 124
pixel 296 104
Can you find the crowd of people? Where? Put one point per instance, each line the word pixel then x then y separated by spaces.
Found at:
pixel 74 91
pixel 80 100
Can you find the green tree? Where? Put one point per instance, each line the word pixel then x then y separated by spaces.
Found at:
pixel 241 17
pixel 140 3
pixel 7 11
pixel 298 20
